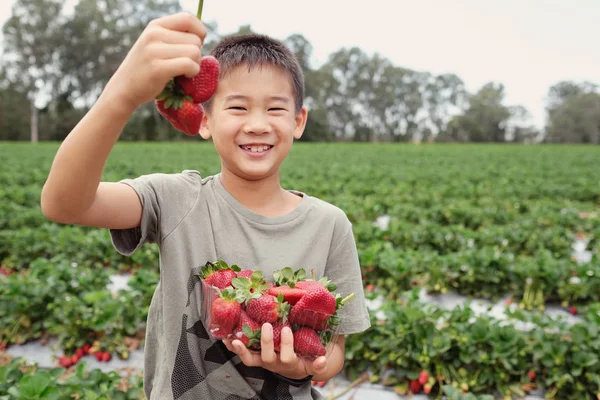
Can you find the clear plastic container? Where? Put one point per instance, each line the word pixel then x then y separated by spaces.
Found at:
pixel 307 326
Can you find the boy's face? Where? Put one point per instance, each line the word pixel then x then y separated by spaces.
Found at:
pixel 253 121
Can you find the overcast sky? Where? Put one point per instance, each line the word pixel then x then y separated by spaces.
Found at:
pixel 527 45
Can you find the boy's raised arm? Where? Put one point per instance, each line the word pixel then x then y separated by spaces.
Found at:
pixel 73 193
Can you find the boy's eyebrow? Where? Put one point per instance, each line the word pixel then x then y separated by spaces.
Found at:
pixel 284 99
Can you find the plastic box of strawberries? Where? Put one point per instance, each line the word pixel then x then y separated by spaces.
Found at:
pixel 237 302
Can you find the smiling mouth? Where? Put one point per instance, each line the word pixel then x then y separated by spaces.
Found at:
pixel 257 148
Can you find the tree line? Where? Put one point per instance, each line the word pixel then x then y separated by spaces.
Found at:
pixel 55 64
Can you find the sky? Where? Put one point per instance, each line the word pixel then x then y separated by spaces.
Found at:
pixel 526 45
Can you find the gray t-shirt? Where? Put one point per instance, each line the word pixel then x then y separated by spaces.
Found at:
pixel 194 220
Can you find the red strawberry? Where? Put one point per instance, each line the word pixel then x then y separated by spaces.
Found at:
pixel 531 375
pixel 314 308
pixel 225 313
pixel 423 377
pixel 86 348
pixel 74 359
pixel 185 116
pixel 415 386
pixel 277 327
pixel 99 355
pixel 65 361
pixel 246 273
pixel 307 343
pixel 573 310
pixel 267 308
pixel 106 356
pixel 202 86
pixel 219 274
pixel 291 295
pixel 248 331
pixel 79 353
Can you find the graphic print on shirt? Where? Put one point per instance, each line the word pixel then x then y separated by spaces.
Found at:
pixel 205 369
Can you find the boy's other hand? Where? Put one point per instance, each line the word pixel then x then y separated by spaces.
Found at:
pixel 287 363
pixel 169 46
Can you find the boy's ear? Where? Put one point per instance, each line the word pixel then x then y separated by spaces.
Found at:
pixel 301 118
pixel 204 131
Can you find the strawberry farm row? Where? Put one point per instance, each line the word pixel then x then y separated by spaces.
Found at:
pixel 479 220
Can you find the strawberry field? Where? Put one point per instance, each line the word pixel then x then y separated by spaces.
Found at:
pixel 481 264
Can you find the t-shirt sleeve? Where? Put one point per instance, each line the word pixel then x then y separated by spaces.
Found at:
pixel 166 199
pixel 343 269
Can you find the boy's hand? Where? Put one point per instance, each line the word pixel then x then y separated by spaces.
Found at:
pixel 287 363
pixel 169 46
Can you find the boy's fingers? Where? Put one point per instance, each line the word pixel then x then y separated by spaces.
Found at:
pixel 166 51
pixel 287 354
pixel 319 364
pixel 176 37
pixel 267 346
pixel 179 66
pixel 183 22
pixel 245 355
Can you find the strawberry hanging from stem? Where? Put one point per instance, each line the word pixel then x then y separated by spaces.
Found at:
pixel 180 101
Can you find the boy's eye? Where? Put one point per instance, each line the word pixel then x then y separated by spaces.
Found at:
pixel 276 109
pixel 236 108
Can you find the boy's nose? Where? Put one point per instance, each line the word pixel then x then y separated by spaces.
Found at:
pixel 257 124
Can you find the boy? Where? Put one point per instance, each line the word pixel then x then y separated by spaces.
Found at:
pixel 241 215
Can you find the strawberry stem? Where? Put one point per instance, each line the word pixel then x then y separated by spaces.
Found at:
pixel 348 298
pixel 199 13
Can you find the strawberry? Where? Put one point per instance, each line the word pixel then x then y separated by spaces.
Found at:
pixel 427 388
pixel 307 343
pixel 291 295
pixel 415 386
pixel 86 348
pixel 74 359
pixel 218 274
pixel 573 310
pixel 185 116
pixel 99 355
pixel 248 331
pixel 202 86
pixel 314 308
pixel 65 361
pixel 225 313
pixel 79 353
pixel 106 356
pixel 277 327
pixel 245 273
pixel 531 375
pixel 267 308
pixel 423 377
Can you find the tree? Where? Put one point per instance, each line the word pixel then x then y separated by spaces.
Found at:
pixel 573 113
pixel 32 36
pixel 485 119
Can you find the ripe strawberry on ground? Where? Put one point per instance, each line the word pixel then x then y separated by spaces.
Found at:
pixel 307 343
pixel 415 386
pixel 267 308
pixel 218 274
pixel 247 331
pixel 202 86
pixel 65 361
pixel 225 313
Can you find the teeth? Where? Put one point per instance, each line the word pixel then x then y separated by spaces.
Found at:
pixel 256 149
